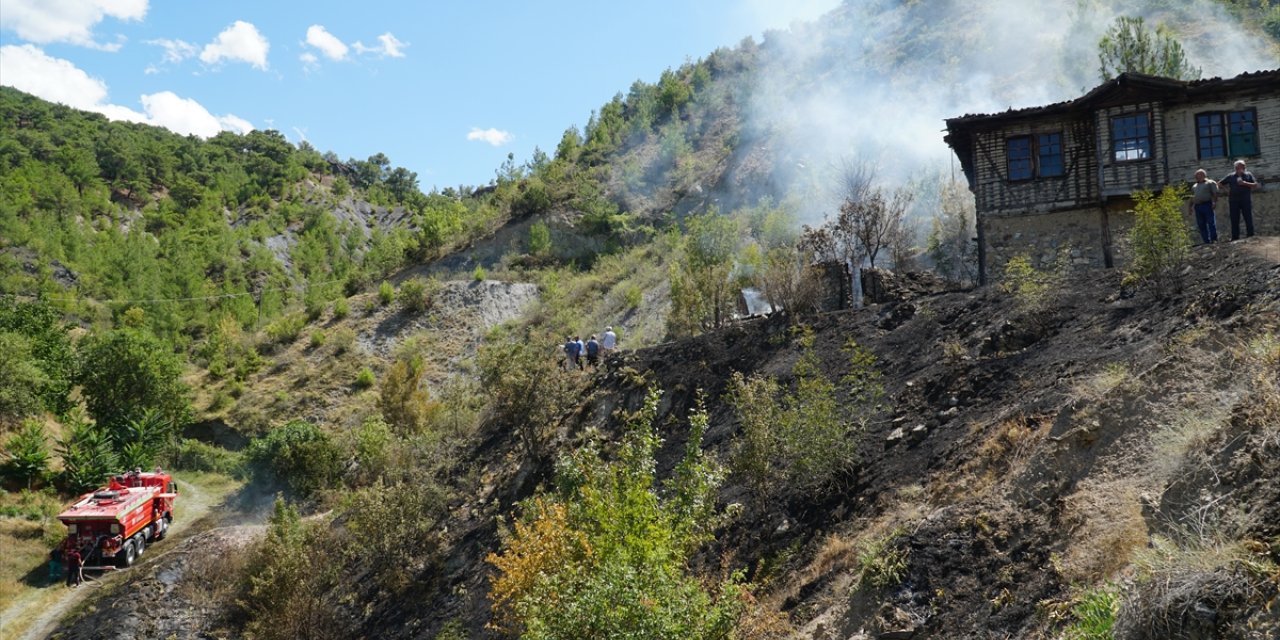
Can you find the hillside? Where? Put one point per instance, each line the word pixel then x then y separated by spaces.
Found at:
pixel 1023 459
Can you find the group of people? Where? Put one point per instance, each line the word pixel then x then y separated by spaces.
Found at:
pixel 580 355
pixel 1240 186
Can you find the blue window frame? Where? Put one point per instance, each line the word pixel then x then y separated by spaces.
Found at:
pixel 1049 155
pixel 1242 132
pixel 1131 137
pixel 1210 137
pixel 1227 133
pixel 1018 153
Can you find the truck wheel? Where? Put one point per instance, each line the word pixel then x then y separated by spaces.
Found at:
pixel 140 543
pixel 126 555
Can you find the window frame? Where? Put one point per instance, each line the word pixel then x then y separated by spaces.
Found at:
pixel 1224 125
pixel 1150 137
pixel 1062 155
pixel 1034 146
pixel 1030 159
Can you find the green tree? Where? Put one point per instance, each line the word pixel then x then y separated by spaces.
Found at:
pixel 36 328
pixel 1130 46
pixel 1159 238
pixel 606 555
pixel 297 455
pixel 87 457
pixel 539 239
pixel 703 286
pixel 27 454
pixel 126 373
pixel 20 378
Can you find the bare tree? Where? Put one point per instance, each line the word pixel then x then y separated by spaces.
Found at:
pixel 874 221
pixel 950 243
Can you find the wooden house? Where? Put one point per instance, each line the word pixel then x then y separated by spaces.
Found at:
pixel 1055 182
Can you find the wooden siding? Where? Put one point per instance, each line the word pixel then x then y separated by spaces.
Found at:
pixel 1124 177
pixel 997 195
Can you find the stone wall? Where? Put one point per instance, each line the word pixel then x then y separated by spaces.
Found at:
pixel 1077 233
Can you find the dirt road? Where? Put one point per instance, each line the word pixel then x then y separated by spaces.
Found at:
pixel 35 614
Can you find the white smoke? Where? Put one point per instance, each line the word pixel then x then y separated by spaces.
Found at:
pixel 877 78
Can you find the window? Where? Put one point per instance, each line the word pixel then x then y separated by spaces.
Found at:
pixel 1227 133
pixel 1019 156
pixel 1131 137
pixel 1049 153
pixel 1034 156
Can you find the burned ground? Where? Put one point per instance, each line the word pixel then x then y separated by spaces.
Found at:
pixel 1023 452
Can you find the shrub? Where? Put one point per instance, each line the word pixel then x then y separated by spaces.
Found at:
pixel 341 308
pixel 479 274
pixel 539 239
pixel 341 340
pixel 87 457
pixel 26 454
pixel 386 293
pixel 1094 613
pixel 802 437
pixel 284 586
pixel 404 399
pixel 297 455
pixel 286 328
pixel 190 454
pixel 882 562
pixel 1159 238
pixel 1029 286
pixel 364 379
pixel 317 339
pixel 607 553
pixel 526 388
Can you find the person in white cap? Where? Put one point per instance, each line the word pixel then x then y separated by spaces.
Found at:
pixel 608 342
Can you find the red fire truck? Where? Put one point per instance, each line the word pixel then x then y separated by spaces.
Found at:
pixel 115 523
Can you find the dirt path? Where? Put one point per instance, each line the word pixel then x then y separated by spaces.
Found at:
pixel 35 615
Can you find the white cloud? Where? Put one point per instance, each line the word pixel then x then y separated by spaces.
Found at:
pixel 495 137
pixel 45 21
pixel 28 68
pixel 327 43
pixel 240 42
pixel 388 47
pixel 175 51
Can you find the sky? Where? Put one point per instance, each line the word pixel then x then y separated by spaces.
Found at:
pixel 446 89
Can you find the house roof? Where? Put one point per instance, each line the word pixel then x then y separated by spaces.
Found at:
pixel 1125 88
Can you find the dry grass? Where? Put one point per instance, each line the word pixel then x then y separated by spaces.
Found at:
pixel 1114 376
pixel 1002 448
pixel 1187 430
pixel 1108 529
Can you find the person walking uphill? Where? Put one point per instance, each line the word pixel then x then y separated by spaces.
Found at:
pixel 608 342
pixel 1204 194
pixel 571 353
pixel 593 352
pixel 1240 199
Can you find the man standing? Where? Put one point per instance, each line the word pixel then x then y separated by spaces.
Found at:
pixel 1240 201
pixel 593 353
pixel 1204 195
pixel 75 567
pixel 608 342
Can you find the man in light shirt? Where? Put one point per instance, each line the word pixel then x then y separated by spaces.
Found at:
pixel 608 342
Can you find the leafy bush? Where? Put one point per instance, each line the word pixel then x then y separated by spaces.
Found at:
pixel 285 329
pixel 26 454
pixel 386 293
pixel 606 554
pixel 128 372
pixel 479 274
pixel 20 378
pixel 87 457
pixel 539 239
pixel 341 308
pixel 802 437
pixel 317 339
pixel 297 455
pixel 417 294
pixel 527 390
pixel 404 399
pixel 1159 238
pixel 341 340
pixel 284 587
pixel 190 454
pixel 47 370
pixel 1029 286
pixel 364 379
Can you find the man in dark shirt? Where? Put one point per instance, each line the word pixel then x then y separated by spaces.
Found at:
pixel 1240 201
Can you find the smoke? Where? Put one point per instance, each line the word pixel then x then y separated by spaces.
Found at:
pixel 875 79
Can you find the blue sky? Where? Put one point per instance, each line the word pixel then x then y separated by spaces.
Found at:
pixel 414 80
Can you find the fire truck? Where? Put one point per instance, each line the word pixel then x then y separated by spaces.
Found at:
pixel 112 526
